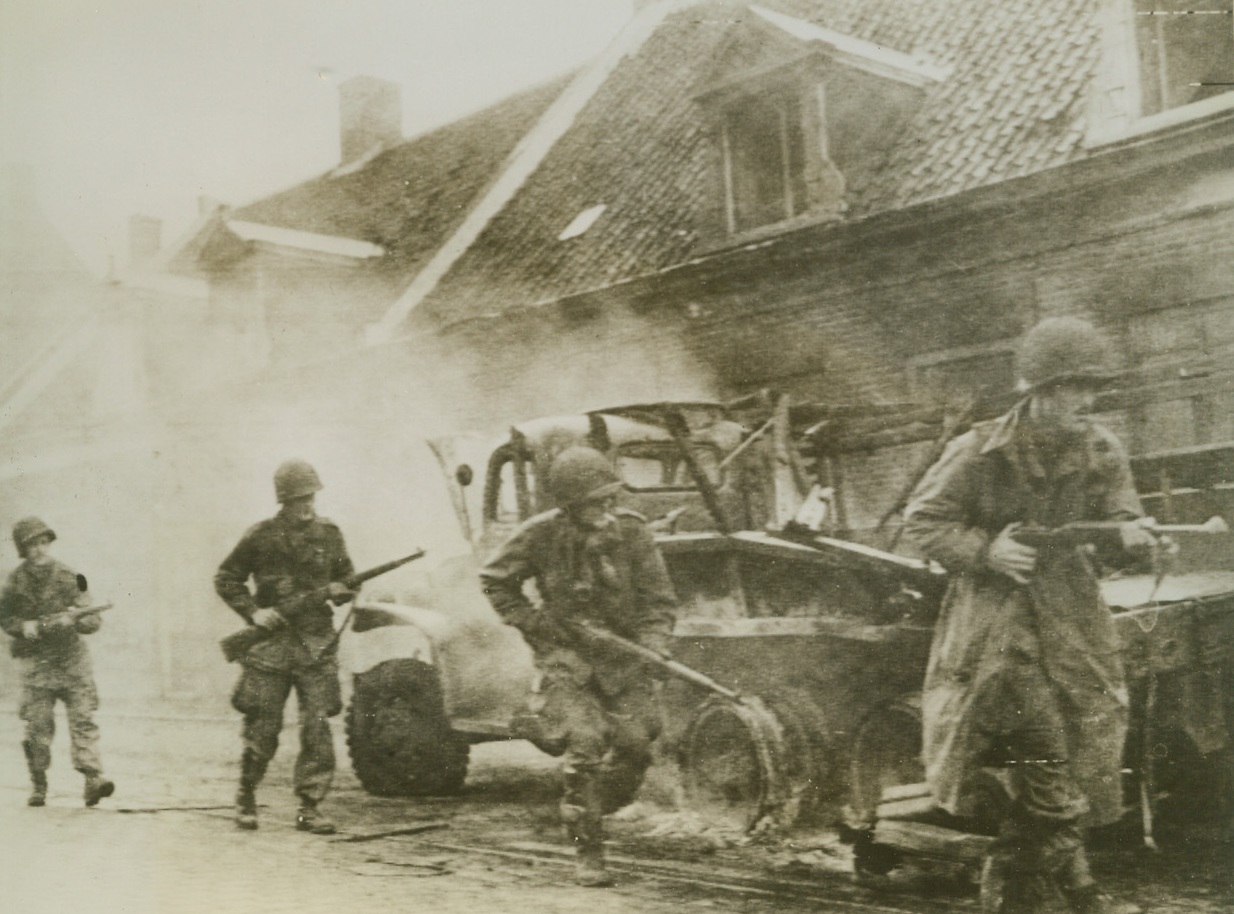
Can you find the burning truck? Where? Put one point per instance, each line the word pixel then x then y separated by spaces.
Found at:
pixel 800 647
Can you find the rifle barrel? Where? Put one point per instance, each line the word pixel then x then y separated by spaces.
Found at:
pixel 678 669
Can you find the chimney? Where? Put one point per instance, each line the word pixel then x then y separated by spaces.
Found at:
pixel 145 239
pixel 370 114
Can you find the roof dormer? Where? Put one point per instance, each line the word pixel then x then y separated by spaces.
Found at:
pixel 799 113
pixel 1163 63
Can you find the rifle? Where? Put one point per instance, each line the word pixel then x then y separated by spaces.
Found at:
pixel 1107 533
pixel 237 644
pixel 661 661
pixel 76 612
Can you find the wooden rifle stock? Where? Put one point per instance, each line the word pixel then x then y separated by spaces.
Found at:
pixel 238 643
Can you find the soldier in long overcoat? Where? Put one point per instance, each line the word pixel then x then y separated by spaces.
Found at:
pixel 1025 674
pixel 595 563
pixel 55 662
pixel 287 556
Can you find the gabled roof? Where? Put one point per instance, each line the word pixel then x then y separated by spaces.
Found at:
pixel 409 198
pixel 1011 101
pixel 1002 94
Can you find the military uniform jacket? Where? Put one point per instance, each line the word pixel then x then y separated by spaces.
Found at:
pixel 285 559
pixel 36 592
pixel 988 478
pixel 613 578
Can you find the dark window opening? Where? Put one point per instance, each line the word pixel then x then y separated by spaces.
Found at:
pixel 764 162
pixel 1186 51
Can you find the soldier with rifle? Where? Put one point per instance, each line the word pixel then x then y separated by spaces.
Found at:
pixel 299 566
pixel 45 608
pixel 597 564
pixel 1025 673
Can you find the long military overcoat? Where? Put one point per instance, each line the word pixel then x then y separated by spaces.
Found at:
pixel 988 478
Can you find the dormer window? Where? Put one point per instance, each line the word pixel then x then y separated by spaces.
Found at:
pixel 763 143
pixel 1163 63
pixel 799 113
pixel 1186 51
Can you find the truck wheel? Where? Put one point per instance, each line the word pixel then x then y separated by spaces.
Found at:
pixel 744 761
pixel 399 737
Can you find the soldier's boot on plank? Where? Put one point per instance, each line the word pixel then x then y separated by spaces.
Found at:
pixel 38 777
pixel 311 819
pixel 97 788
pixel 251 771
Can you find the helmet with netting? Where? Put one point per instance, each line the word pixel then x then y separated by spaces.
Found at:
pixel 1064 350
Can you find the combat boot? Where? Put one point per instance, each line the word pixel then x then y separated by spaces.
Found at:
pixel 583 831
pixel 1005 889
pixel 97 788
pixel 38 789
pixel 310 819
pixel 252 768
pixel 246 809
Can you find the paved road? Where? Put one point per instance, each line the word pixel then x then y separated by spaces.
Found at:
pixel 145 851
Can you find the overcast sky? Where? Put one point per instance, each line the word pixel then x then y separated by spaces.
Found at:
pixel 140 106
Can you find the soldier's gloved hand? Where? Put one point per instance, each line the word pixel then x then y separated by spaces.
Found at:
pixel 30 629
pixel 1008 556
pixel 339 593
pixel 268 618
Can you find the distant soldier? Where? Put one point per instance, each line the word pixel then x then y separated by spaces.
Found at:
pixel 289 555
pixel 55 663
pixel 595 563
pixel 1025 672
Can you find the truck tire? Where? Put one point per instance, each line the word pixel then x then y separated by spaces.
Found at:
pixel 399 738
pixel 747 760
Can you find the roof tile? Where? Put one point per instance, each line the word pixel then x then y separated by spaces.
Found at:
pixel 1013 103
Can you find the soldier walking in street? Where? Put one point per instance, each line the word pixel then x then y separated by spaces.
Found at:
pixel 36 611
pixel 598 564
pixel 288 556
pixel 1025 673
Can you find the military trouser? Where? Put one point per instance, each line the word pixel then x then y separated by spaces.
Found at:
pixel 260 696
pixel 607 733
pixel 42 687
pixel 1039 836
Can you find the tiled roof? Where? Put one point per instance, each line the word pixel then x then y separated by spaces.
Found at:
pixel 1012 104
pixel 409 198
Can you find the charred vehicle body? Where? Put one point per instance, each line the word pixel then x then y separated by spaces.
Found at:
pixel 818 639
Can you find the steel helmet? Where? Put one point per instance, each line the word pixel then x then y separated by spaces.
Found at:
pixel 581 474
pixel 1063 349
pixel 27 530
pixel 295 479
